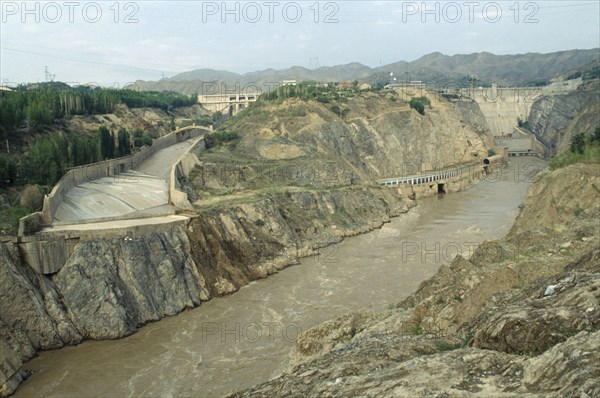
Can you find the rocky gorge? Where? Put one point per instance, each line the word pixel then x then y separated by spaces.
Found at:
pixel 249 224
pixel 520 317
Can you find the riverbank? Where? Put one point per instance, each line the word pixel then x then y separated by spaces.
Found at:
pixel 216 343
pixel 519 318
pixel 111 287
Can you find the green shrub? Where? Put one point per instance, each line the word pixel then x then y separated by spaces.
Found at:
pixel 582 149
pixel 524 124
pixel 212 140
pixel 338 110
pixel 419 103
pixel 443 345
pixel 141 138
pixel 417 106
pixel 8 170
pixel 9 219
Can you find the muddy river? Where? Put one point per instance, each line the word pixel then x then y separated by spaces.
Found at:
pixel 235 342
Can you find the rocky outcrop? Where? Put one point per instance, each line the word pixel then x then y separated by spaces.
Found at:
pixel 108 288
pixel 234 243
pixel 557 118
pixel 559 196
pixel 521 317
pixel 380 136
pixel 388 366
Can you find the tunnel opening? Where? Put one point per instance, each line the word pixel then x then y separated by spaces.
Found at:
pixel 441 188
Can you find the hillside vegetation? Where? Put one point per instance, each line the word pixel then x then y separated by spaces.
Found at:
pixel 584 148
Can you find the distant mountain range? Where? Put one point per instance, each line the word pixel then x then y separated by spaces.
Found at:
pixel 435 68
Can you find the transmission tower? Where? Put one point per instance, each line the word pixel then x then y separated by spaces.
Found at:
pixel 49 77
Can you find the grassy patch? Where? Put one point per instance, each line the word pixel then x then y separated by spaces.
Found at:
pixel 416 328
pixel 567 332
pixel 450 345
pixel 445 345
pixel 9 219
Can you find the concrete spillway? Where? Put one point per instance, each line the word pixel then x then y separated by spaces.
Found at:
pixel 141 192
pixel 113 197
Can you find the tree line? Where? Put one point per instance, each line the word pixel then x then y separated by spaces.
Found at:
pixel 50 157
pixel 307 91
pixel 583 148
pixel 38 108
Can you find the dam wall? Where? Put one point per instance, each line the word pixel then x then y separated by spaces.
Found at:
pixel 502 107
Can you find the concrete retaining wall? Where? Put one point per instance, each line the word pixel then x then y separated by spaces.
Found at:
pixel 47 252
pixel 49 255
pixel 515 144
pixel 522 146
pixel 176 197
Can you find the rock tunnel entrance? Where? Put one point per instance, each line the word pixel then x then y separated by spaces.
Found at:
pixel 441 188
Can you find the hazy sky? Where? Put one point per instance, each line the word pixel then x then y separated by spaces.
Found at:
pixel 115 42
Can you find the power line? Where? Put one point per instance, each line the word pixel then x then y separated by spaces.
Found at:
pixel 62 59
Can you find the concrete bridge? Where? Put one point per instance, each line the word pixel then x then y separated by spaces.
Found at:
pixel 227 104
pixel 447 180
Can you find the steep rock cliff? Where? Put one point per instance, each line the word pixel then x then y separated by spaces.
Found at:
pixel 107 289
pixel 558 117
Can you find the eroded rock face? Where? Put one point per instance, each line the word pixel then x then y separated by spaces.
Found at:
pixel 559 197
pixel 32 317
pixel 107 289
pixel 537 324
pixel 110 287
pixel 558 118
pixel 389 366
pixel 380 137
pixel 485 326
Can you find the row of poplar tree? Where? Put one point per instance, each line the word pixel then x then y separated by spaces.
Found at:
pixel 40 107
pixel 50 157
